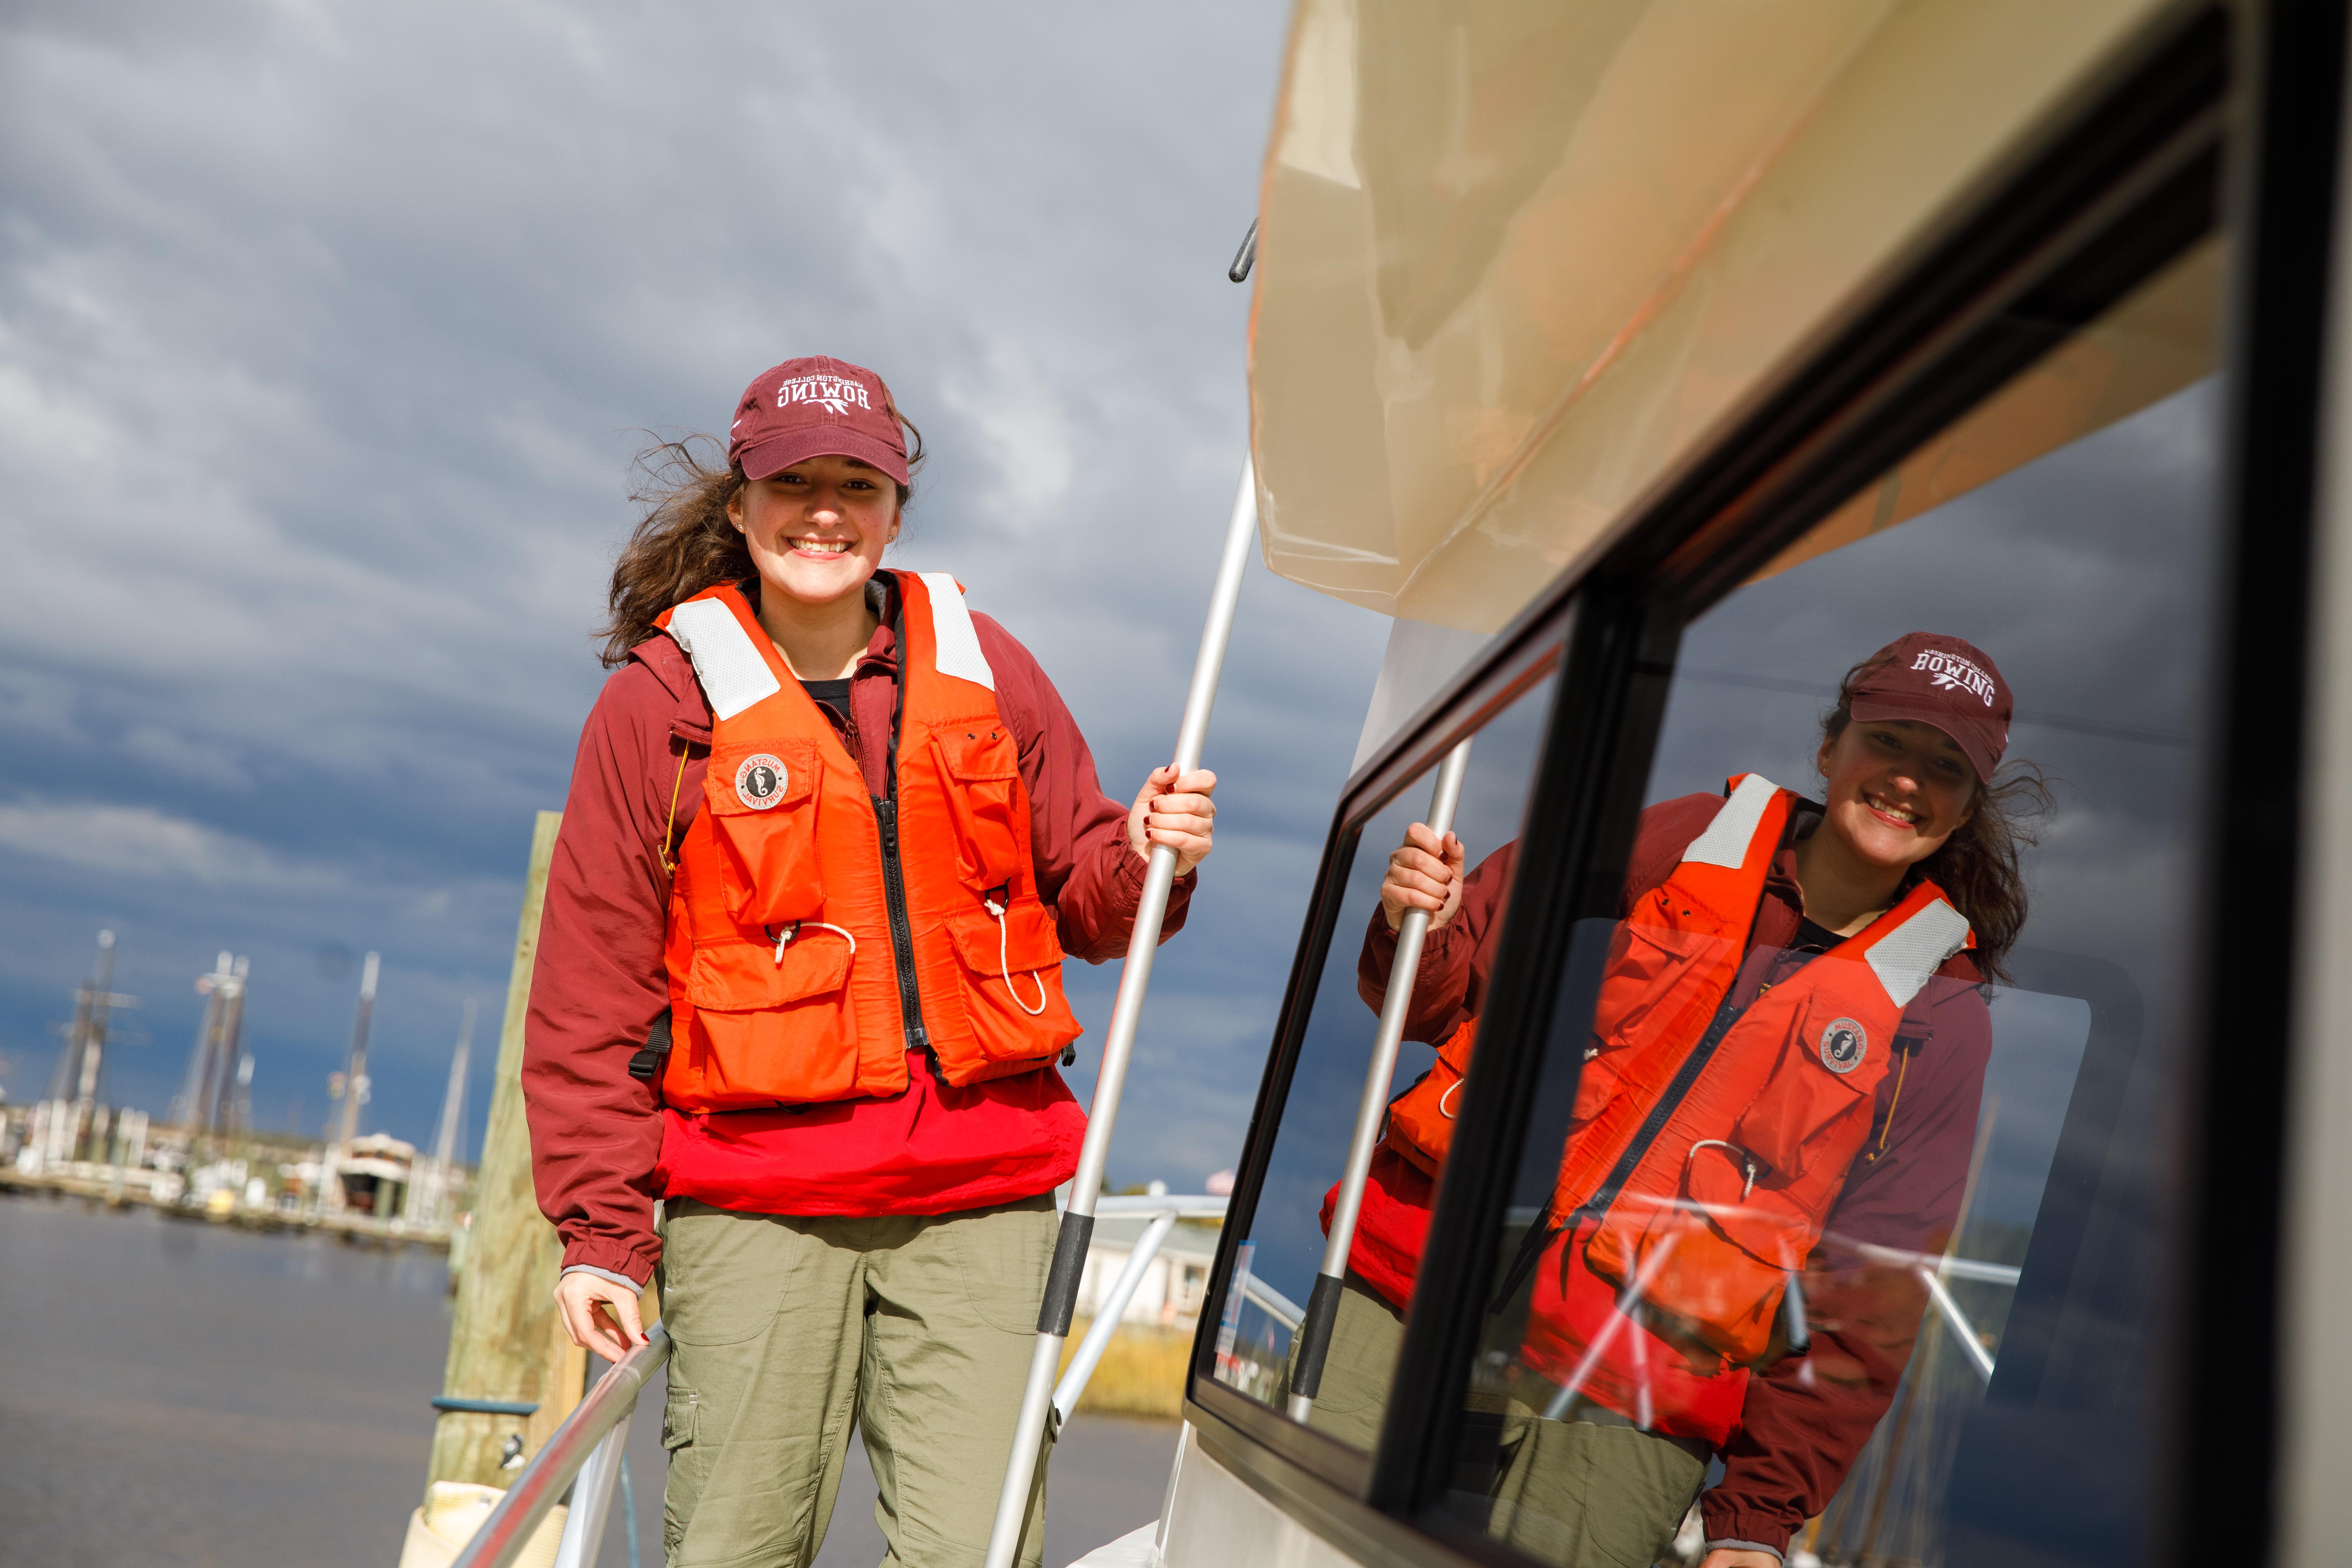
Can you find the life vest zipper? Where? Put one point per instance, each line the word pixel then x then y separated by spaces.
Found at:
pixel 902 931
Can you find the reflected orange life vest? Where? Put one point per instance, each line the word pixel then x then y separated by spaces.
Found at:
pixel 787 979
pixel 1707 1145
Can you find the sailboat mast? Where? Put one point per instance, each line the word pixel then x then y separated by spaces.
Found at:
pixel 452 1107
pixel 90 1021
pixel 354 1080
pixel 188 1105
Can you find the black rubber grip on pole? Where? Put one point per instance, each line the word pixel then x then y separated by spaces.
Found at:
pixel 1062 1279
pixel 1315 1336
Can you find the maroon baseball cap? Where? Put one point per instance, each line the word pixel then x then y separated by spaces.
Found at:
pixel 1943 682
pixel 805 409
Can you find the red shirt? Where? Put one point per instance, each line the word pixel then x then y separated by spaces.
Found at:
pixel 1807 1416
pixel 603 1151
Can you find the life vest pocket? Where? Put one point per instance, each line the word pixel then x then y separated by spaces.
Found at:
pixel 1422 1119
pixel 763 798
pixel 1656 974
pixel 980 763
pixel 1814 1111
pixel 767 1029
pixel 1712 1263
pixel 1010 986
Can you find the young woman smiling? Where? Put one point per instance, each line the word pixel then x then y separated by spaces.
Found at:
pixel 1752 1110
pixel 829 837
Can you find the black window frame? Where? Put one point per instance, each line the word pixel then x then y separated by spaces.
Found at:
pixel 2217 110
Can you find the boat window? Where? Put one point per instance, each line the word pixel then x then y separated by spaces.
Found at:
pixel 1841 1190
pixel 1324 1352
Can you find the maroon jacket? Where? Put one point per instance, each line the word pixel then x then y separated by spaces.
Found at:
pixel 602 1151
pixel 1807 1416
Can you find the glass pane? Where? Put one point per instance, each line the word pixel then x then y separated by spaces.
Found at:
pixel 1841 1196
pixel 1350 1352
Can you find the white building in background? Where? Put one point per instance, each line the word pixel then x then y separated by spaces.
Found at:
pixel 1174 1284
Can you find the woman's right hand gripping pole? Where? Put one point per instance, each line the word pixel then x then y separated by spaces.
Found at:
pixel 1423 873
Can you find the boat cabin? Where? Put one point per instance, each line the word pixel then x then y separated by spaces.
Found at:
pixel 1655 364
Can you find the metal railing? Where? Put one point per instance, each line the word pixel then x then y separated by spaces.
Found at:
pixel 585 1452
pixel 587 1446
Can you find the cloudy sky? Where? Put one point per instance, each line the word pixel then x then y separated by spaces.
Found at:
pixel 327 333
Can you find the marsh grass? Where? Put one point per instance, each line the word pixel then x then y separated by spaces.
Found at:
pixel 1141 1372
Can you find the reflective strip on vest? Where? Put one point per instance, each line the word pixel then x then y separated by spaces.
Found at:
pixel 953 637
pixel 1725 842
pixel 1905 957
pixel 732 673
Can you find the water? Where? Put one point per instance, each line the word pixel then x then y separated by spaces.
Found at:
pixel 173 1392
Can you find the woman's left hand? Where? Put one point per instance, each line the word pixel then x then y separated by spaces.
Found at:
pixel 1738 1557
pixel 1176 812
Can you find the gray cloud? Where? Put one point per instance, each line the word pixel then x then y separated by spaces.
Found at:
pixel 326 333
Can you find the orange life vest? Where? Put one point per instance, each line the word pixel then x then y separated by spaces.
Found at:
pixel 1707 1145
pixel 817 933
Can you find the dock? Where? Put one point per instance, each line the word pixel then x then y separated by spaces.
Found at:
pixel 119 1187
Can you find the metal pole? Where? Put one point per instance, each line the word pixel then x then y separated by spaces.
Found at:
pixel 1118 1042
pixel 1371 1111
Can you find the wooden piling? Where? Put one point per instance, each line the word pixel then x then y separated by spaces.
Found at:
pixel 507 1342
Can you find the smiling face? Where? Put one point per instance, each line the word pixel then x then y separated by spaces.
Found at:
pixel 817 530
pixel 1897 790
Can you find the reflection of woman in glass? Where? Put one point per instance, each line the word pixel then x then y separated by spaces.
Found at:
pixel 1752 1113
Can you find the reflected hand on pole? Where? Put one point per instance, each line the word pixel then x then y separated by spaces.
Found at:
pixel 1424 873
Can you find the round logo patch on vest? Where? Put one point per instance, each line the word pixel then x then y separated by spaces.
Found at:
pixel 1843 1045
pixel 760 783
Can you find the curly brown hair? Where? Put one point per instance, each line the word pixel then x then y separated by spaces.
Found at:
pixel 684 542
pixel 1977 865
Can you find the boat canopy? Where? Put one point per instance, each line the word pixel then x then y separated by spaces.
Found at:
pixel 1519 263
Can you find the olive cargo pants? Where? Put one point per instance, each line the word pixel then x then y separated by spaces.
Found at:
pixel 787 1332
pixel 1590 1491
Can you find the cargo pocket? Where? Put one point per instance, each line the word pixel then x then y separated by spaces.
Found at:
pixel 679 1413
pixel 763 799
pixel 1736 1248
pixel 770 1027
pixel 980 768
pixel 1011 968
pixel 688 1469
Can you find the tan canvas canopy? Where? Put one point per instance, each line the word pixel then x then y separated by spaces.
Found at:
pixel 1518 262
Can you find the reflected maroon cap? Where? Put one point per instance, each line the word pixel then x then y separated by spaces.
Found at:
pixel 808 408
pixel 1943 682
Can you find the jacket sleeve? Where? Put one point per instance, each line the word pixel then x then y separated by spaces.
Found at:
pixel 1086 871
pixel 599 982
pixel 1807 1417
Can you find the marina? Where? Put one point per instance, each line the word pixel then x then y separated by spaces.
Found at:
pixel 193 1396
